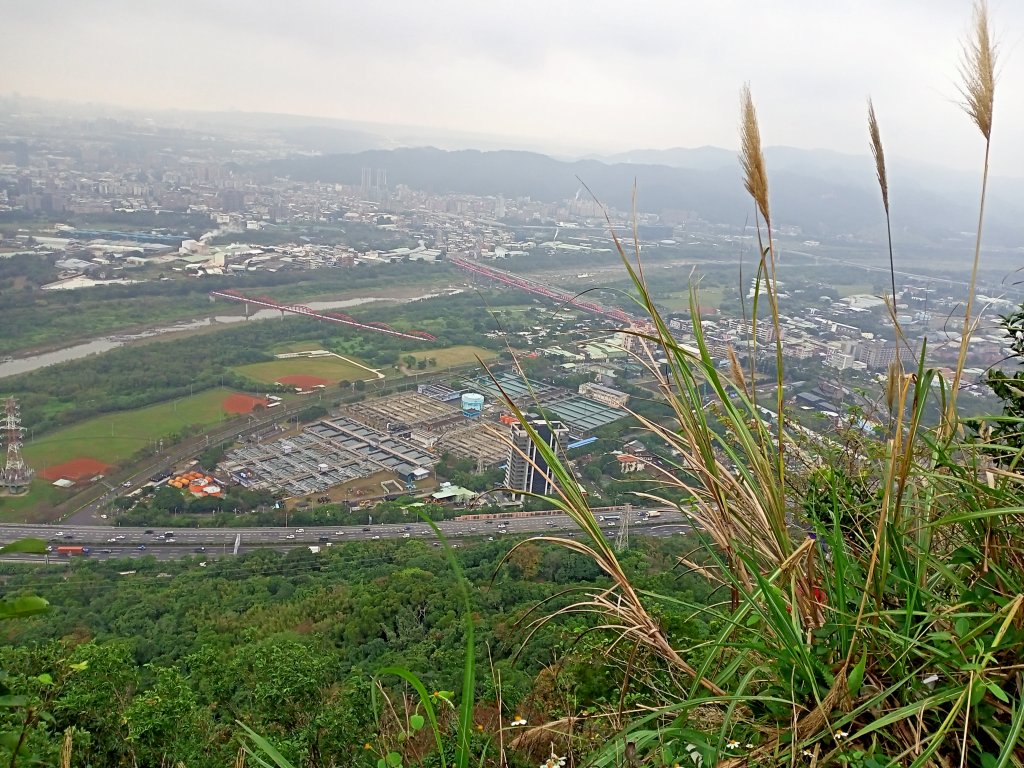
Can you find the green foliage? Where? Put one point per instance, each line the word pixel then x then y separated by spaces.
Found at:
pixel 287 644
pixel 1003 434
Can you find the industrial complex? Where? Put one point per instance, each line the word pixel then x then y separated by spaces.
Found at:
pixel 396 441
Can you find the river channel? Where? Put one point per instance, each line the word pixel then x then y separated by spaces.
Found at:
pixel 106 343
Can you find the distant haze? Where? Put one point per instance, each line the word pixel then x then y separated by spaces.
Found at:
pixel 568 76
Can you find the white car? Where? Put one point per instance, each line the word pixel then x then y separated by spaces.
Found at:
pixel 290 536
pixel 339 533
pixel 300 530
pixel 375 537
pixel 111 540
pixel 405 535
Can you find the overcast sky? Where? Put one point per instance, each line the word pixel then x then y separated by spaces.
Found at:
pixel 572 75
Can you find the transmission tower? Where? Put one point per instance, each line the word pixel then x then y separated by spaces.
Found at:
pixel 15 475
pixel 622 539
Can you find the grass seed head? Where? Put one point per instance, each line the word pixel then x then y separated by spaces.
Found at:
pixel 978 71
pixel 879 155
pixel 755 175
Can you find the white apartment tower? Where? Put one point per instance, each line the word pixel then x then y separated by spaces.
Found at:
pixel 527 471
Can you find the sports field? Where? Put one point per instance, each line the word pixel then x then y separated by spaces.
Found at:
pixel 329 370
pixel 457 355
pixel 112 438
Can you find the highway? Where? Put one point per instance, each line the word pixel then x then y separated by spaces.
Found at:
pixel 169 543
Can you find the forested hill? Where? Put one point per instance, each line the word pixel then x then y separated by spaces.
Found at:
pixel 821 203
pixel 154 662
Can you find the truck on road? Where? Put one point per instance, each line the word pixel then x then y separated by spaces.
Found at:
pixel 69 551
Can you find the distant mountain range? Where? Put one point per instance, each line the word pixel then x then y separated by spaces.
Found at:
pixel 827 194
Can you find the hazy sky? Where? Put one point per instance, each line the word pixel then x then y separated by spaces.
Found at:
pixel 573 75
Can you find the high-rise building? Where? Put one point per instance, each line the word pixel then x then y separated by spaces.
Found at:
pixel 527 471
pixel 876 354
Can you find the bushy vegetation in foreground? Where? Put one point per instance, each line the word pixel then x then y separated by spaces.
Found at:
pixel 155 666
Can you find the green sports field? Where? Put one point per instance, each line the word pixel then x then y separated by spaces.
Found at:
pixel 330 369
pixel 114 437
pixel 457 355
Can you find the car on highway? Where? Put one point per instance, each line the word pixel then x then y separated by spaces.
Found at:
pixel 141 547
pixel 199 549
pixel 339 533
pixel 126 484
pixel 290 536
pixel 365 529
pixel 300 530
pixel 58 534
pixel 150 530
pixel 112 539
pixel 375 537
pixel 323 539
pixel 405 535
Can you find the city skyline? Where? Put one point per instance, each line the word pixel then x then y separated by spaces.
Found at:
pixel 563 79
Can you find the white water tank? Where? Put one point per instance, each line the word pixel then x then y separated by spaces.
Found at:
pixel 472 404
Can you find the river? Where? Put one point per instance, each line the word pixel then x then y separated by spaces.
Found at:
pixel 106 343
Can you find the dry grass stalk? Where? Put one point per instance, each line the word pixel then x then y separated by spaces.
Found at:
pixel 755 175
pixel 875 135
pixel 978 72
pixel 65 748
pixel 240 758
pixel 879 154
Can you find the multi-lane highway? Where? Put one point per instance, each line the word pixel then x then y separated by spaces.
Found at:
pixel 166 543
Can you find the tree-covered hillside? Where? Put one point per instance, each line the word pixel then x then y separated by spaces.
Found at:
pixel 155 666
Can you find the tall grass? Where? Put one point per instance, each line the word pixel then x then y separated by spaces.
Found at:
pixel 876 611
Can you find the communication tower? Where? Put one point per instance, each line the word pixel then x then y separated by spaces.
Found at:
pixel 16 475
pixel 622 539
